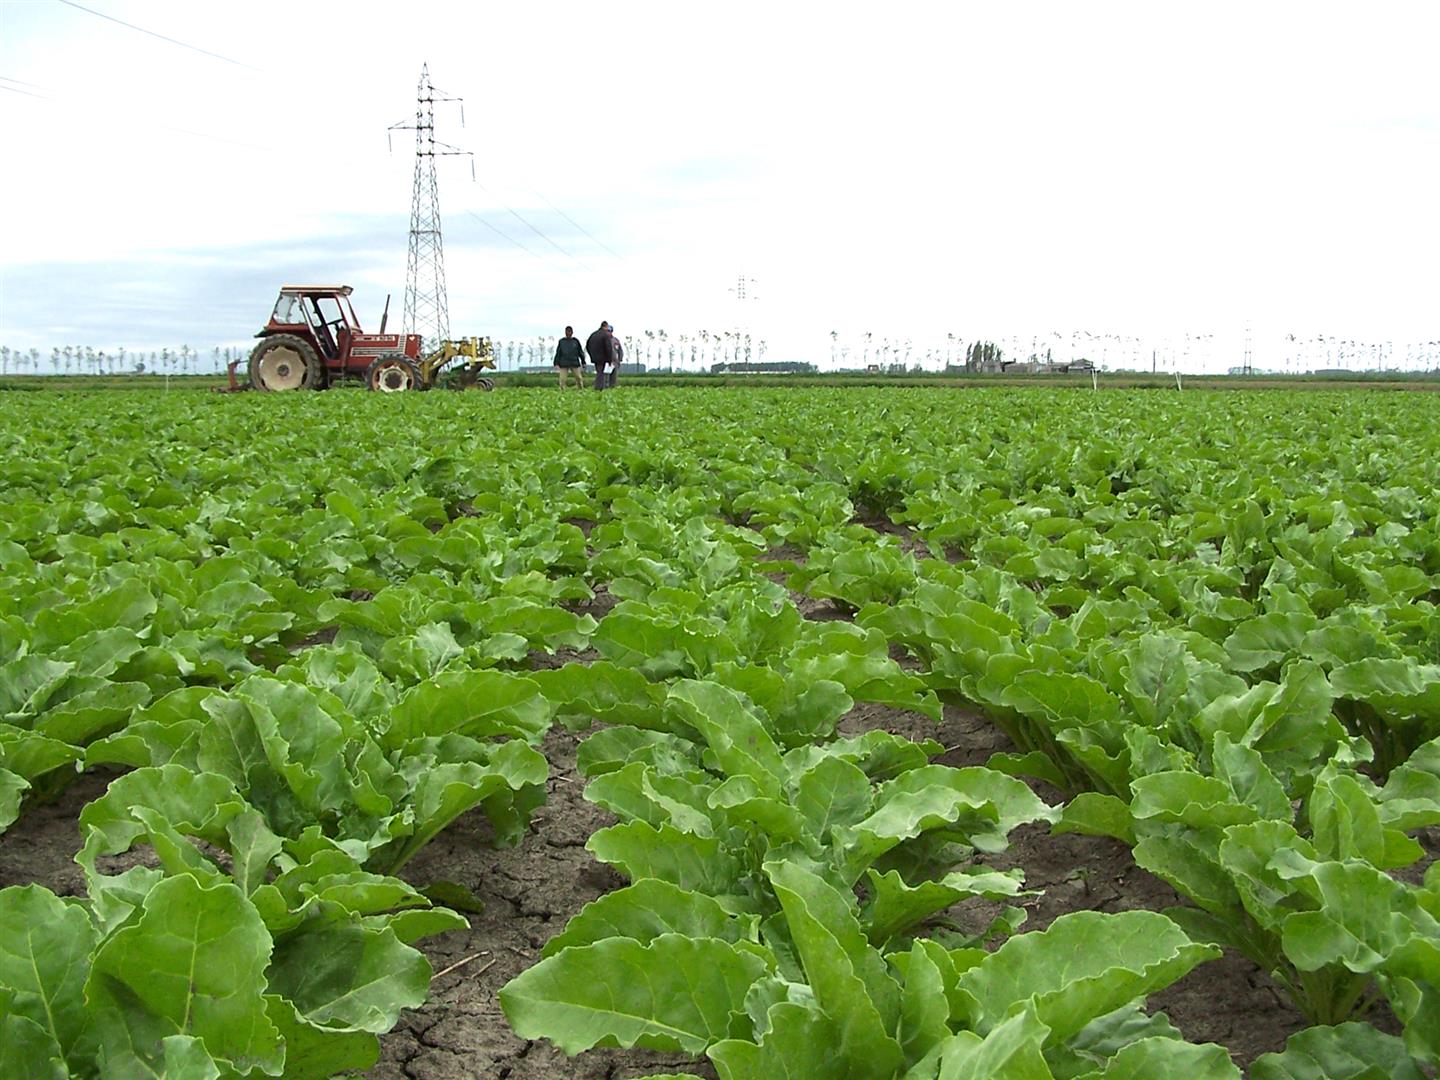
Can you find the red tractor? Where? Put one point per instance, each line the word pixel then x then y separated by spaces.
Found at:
pixel 313 340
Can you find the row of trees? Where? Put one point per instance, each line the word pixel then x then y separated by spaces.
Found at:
pixel 656 349
pixel 1164 352
pixel 653 348
pixel 901 353
pixel 661 349
pixel 86 360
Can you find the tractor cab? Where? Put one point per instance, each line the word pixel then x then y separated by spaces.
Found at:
pixel 321 313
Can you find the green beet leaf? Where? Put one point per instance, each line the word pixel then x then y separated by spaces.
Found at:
pixel 1244 770
pixel 199 804
pixel 1362 916
pixel 1345 824
pixel 318 1053
pixel 1159 1056
pixel 1011 1050
pixel 1266 641
pixel 638 792
pixel 1411 796
pixel 45 947
pixel 93 712
pixel 481 704
pixel 676 993
pixel 800 1043
pixel 28 754
pixel 1353 1051
pixel 12 792
pixel 1093 814
pixel 1412 983
pixel 615 747
pixel 27 683
pixel 445 791
pixel 734 730
pixel 180 1055
pixel 924 1006
pixel 981 805
pixel 849 978
pixel 26 1048
pixel 286 754
pixel 1395 687
pixel 874 678
pixel 349 977
pixel 880 755
pixel 1187 798
pixel 832 793
pixel 646 910
pixel 193 965
pixel 895 906
pixel 640 850
pixel 1086 964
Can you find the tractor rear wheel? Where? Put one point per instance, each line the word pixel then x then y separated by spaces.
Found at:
pixel 285 362
pixel 393 374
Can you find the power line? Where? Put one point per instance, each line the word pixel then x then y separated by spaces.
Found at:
pixel 526 182
pixel 21 82
pixel 152 33
pixel 577 225
pixel 516 214
pixel 27 93
pixel 503 235
pixel 547 239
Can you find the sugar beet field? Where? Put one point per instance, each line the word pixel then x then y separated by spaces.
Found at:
pixel 995 734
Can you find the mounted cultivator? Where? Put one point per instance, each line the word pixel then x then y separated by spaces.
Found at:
pixel 313 340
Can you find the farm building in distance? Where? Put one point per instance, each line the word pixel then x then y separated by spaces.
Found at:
pixel 1023 367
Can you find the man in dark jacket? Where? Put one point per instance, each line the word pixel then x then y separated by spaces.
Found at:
pixel 601 347
pixel 570 357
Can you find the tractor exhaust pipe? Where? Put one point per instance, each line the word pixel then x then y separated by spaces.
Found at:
pixel 385 316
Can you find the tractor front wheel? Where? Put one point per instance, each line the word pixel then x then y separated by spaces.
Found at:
pixel 285 362
pixel 393 374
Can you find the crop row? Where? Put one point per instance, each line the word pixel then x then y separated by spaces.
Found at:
pixel 314 651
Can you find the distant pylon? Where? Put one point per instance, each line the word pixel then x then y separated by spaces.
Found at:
pixel 427 310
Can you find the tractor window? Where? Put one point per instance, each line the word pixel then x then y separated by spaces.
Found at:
pixel 288 310
pixel 324 312
pixel 330 312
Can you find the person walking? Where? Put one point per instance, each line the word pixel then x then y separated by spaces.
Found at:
pixel 601 347
pixel 569 357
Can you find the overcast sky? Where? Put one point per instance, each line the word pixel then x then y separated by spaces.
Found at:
pixel 914 170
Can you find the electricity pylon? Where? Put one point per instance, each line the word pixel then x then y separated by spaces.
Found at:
pixel 427 310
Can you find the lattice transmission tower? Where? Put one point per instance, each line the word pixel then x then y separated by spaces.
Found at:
pixel 427 310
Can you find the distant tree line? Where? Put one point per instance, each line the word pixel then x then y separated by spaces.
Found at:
pixel 87 360
pixel 658 350
pixel 984 356
pixel 763 367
